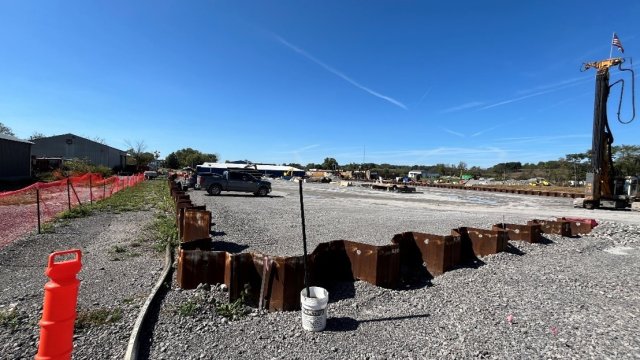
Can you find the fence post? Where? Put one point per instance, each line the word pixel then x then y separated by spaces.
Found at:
pixel 104 188
pixel 90 190
pixel 69 194
pixel 38 207
pixel 76 194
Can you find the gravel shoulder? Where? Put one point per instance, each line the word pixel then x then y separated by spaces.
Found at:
pixel 567 298
pixel 120 267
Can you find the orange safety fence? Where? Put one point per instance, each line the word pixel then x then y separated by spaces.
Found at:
pixel 19 213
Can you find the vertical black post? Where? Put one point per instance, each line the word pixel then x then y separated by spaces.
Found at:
pixel 90 191
pixel 38 207
pixel 304 241
pixel 69 193
pixel 104 188
pixel 76 194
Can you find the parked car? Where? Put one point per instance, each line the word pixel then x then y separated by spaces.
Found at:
pixel 150 175
pixel 235 181
pixel 187 181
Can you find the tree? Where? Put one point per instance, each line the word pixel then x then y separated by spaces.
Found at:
pixel 172 161
pixel 137 151
pixel 462 167
pixel 329 164
pixel 6 130
pixel 36 135
pixel 192 158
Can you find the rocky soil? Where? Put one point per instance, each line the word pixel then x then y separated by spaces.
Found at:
pixel 565 298
pixel 120 267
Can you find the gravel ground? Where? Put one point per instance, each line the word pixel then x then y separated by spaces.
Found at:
pixel 567 298
pixel 120 267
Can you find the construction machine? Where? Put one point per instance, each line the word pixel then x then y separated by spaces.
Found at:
pixel 602 189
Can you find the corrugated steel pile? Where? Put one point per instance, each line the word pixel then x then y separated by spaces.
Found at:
pixel 276 281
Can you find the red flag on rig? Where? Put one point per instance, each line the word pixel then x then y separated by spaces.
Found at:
pixel 616 42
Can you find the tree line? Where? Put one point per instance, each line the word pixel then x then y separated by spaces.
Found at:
pixel 571 167
pixel 626 160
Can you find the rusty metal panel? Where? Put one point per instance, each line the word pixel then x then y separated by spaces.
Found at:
pixel 562 228
pixel 377 265
pixel 201 267
pixel 580 225
pixel 197 224
pixel 330 263
pixel 283 283
pixel 243 273
pixel 181 210
pixel 480 242
pixel 181 205
pixel 439 253
pixel 529 233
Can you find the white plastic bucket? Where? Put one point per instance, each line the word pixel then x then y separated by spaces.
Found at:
pixel 314 308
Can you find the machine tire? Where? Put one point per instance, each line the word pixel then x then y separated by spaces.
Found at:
pixel 214 190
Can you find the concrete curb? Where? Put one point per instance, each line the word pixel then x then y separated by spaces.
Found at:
pixel 133 348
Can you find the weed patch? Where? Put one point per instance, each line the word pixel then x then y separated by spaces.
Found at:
pixel 97 317
pixel 234 310
pixel 9 317
pixel 188 308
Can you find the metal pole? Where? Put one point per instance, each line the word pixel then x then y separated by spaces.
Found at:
pixel 76 194
pixel 38 207
pixel 69 194
pixel 104 188
pixel 304 241
pixel 611 45
pixel 90 191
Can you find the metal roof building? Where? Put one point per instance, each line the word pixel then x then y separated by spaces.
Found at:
pixel 15 158
pixel 70 146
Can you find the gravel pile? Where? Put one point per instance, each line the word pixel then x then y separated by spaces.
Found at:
pixel 120 267
pixel 567 298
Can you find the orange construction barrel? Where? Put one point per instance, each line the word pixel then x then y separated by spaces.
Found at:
pixel 59 309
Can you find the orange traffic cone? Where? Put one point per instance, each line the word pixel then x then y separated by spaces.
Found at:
pixel 59 310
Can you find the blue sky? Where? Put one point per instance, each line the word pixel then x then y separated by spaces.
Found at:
pixel 400 82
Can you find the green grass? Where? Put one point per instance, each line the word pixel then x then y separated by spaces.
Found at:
pixel 146 195
pixel 236 309
pixel 76 212
pixel 129 300
pixel 97 317
pixel 188 308
pixel 48 228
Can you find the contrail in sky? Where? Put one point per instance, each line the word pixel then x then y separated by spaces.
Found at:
pixel 464 106
pixel 453 132
pixel 339 74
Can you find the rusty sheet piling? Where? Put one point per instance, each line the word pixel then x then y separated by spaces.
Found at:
pixel 196 224
pixel 529 233
pixel 439 253
pixel 562 228
pixel 480 242
pixel 275 282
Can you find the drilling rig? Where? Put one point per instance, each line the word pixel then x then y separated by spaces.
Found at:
pixel 603 189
